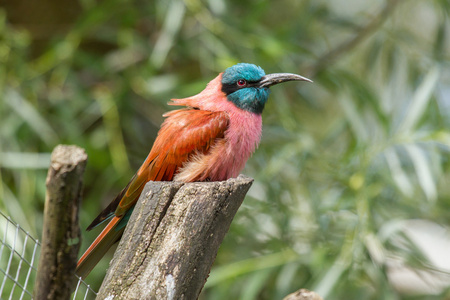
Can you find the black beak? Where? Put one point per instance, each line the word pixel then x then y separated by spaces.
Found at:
pixel 276 78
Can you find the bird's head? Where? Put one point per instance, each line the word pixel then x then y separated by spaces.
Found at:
pixel 247 85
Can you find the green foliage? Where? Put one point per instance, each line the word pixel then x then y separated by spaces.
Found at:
pixel 344 165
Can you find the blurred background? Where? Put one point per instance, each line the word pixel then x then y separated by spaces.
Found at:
pixel 352 178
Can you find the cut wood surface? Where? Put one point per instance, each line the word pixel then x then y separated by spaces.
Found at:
pixel 303 294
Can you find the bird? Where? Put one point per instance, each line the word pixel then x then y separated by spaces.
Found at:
pixel 209 139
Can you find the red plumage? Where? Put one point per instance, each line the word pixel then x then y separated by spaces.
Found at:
pixel 193 144
pixel 211 139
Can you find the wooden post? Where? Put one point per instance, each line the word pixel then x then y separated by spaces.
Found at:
pixel 61 236
pixel 172 239
pixel 303 294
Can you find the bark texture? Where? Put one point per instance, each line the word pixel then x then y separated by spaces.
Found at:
pixel 61 236
pixel 172 239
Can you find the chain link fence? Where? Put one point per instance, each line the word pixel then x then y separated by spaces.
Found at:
pixel 19 253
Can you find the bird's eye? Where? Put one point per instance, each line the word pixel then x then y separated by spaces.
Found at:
pixel 241 82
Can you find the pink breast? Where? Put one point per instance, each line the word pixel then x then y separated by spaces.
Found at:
pixel 228 157
pixel 241 140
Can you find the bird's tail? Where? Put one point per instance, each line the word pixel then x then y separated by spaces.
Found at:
pixel 99 247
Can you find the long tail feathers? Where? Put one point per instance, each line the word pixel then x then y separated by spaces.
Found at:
pixel 99 247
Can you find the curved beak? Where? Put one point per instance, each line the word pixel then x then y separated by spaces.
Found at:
pixel 276 78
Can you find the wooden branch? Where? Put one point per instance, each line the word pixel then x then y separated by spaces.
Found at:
pixel 303 294
pixel 61 235
pixel 172 239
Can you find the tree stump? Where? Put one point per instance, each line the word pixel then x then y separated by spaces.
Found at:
pixel 303 294
pixel 61 237
pixel 172 239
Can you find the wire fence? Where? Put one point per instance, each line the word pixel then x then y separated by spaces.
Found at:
pixel 19 253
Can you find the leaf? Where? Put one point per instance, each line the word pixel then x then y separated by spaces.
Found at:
pixel 423 171
pixel 30 115
pixel 255 284
pixel 398 174
pixel 172 24
pixel 17 160
pixel 233 270
pixel 354 117
pixel 420 100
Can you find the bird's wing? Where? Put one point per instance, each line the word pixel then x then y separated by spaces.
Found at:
pixel 185 132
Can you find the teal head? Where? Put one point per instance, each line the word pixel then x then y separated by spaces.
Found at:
pixel 247 85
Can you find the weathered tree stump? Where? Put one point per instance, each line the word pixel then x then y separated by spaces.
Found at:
pixel 61 237
pixel 303 294
pixel 172 239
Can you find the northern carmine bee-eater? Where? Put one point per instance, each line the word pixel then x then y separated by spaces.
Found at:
pixel 210 139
